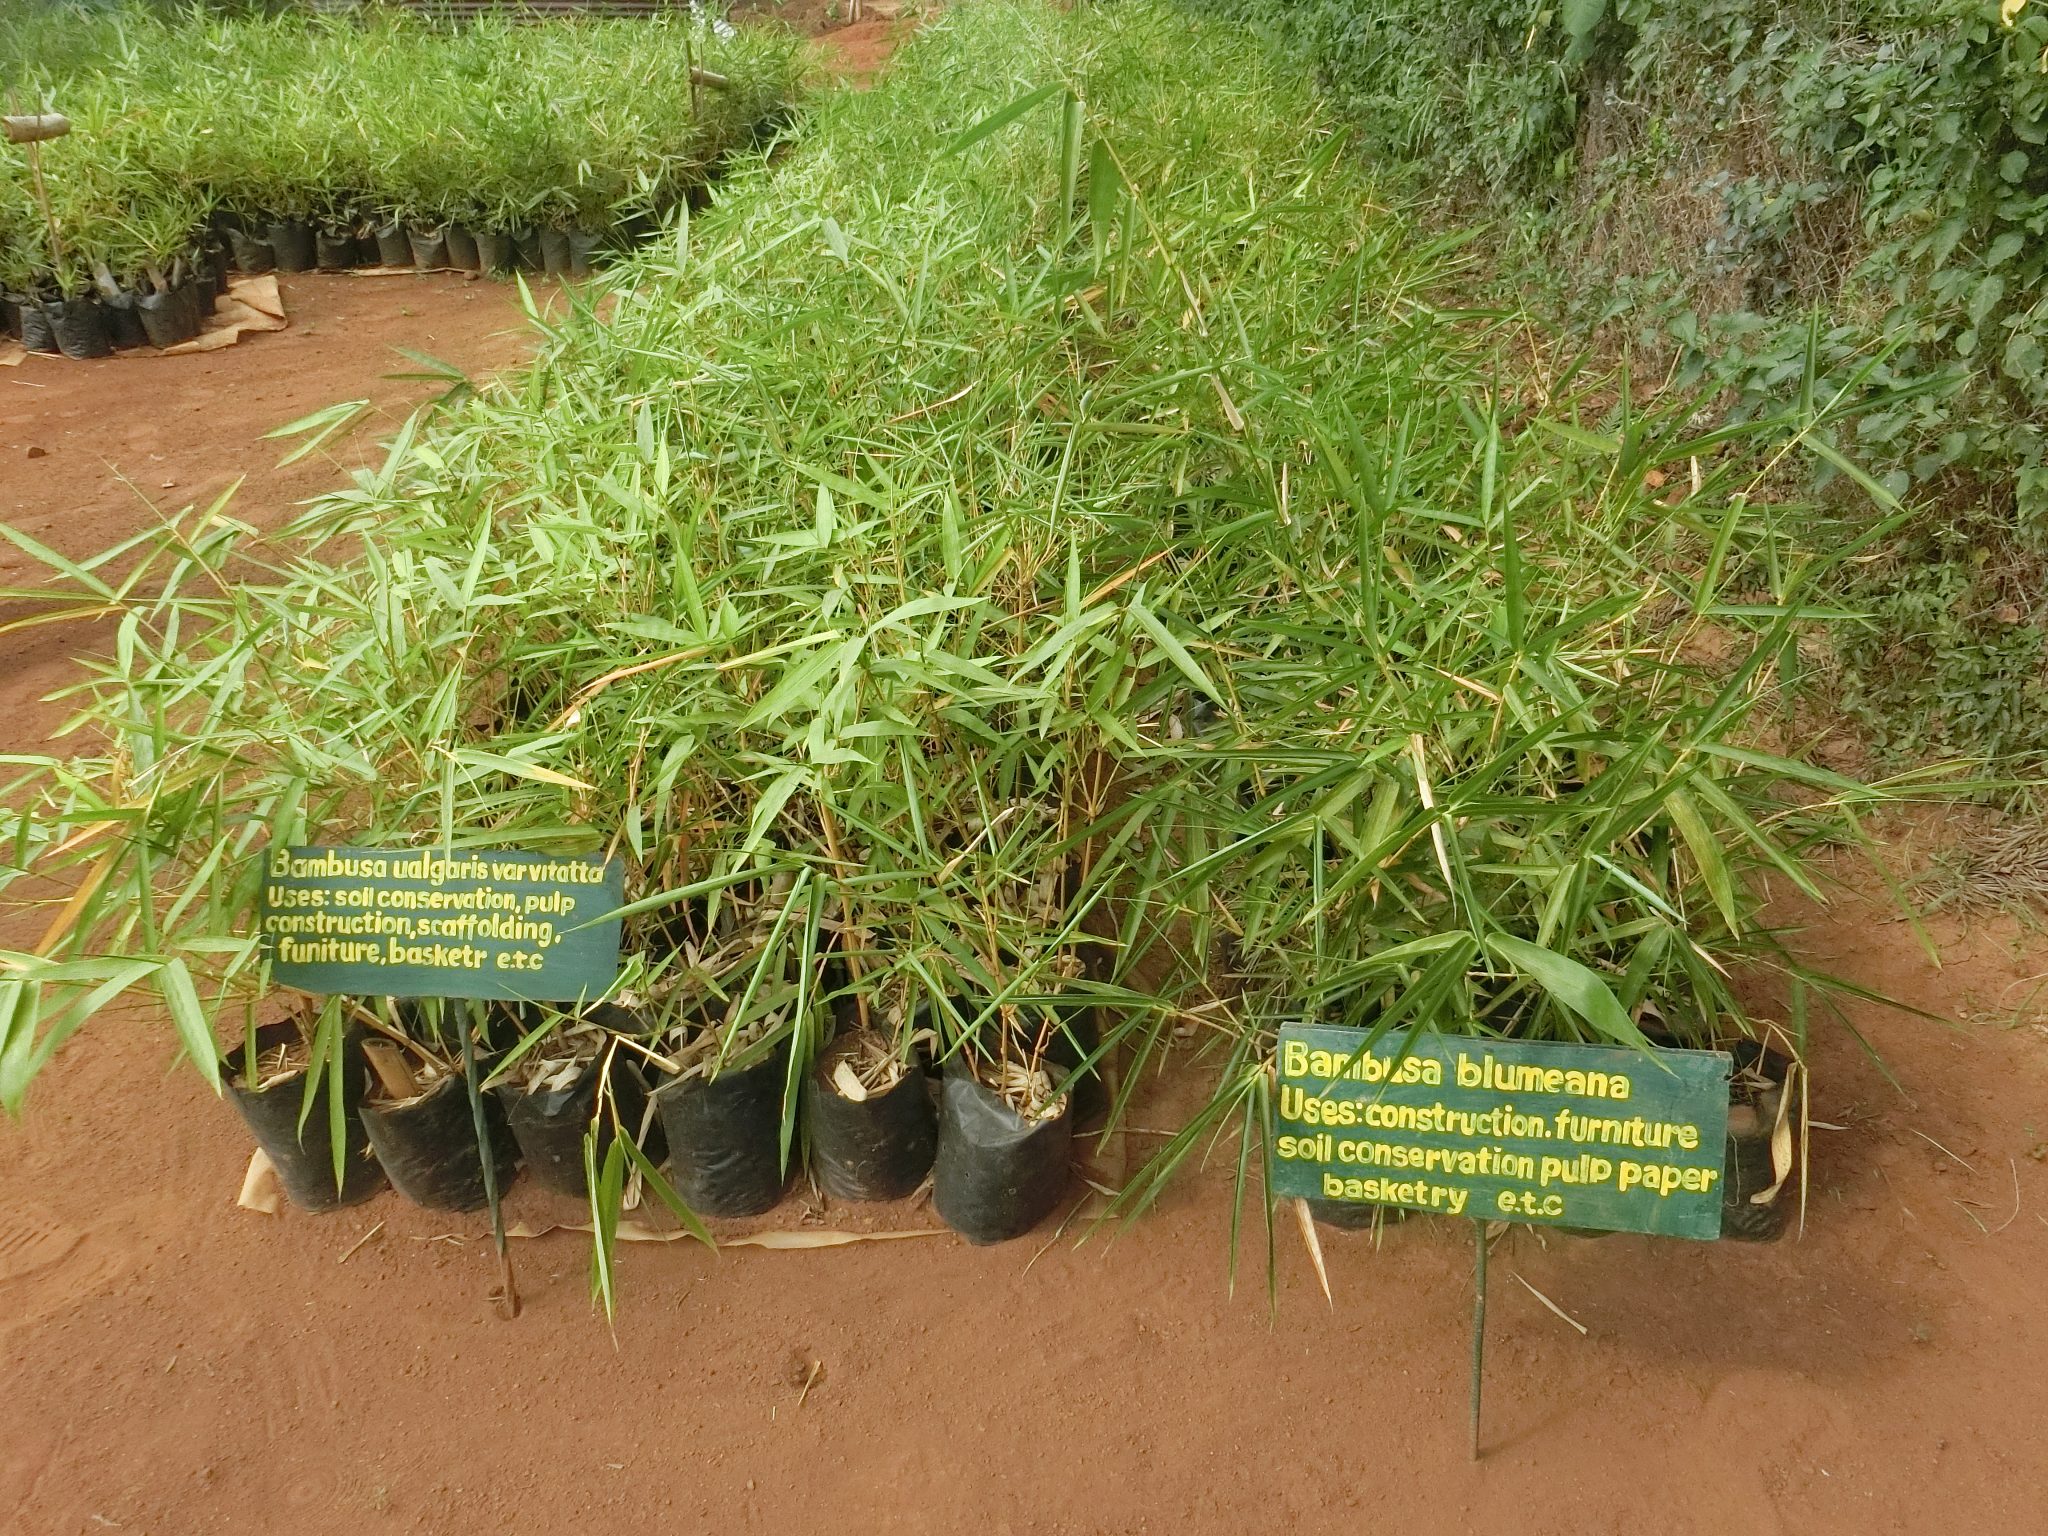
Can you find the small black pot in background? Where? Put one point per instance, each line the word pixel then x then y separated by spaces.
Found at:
pixel 462 251
pixel 251 251
pixel 166 316
pixel 292 246
pixel 429 247
pixel 531 257
pixel 880 1148
pixel 79 329
pixel 725 1137
pixel 554 253
pixel 334 250
pixel 200 295
pixel 497 252
pixel 305 1164
pixel 550 1127
pixel 428 1146
pixel 124 325
pixel 393 248
pixel 997 1174
pixel 1076 1038
pixel 584 244
pixel 1354 1216
pixel 36 332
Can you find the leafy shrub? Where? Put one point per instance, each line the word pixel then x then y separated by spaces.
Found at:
pixel 1699 177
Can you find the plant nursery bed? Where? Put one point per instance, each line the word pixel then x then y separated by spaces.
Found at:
pixel 1022 610
pixel 152 1335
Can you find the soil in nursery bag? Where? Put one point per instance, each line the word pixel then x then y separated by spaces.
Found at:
pixel 251 251
pixel 10 316
pixel 531 257
pixel 874 1130
pixel 554 252
pixel 462 251
pixel 78 327
pixel 124 324
pixel 497 253
pixel 1758 1098
pixel 725 1136
pixel 427 1145
pixel 36 332
pixel 271 1109
pixel 292 247
pixel 368 253
pixel 999 1171
pixel 335 250
pixel 393 248
pixel 550 1107
pixel 429 248
pixel 168 317
pixel 584 244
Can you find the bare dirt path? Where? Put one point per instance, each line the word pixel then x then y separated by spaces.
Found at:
pixel 173 1364
pixel 93 452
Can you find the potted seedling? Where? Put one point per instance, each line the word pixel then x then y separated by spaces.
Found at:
pixel 419 1114
pixel 722 1009
pixel 299 1081
pixel 571 1086
pixel 1006 1128
pixel 1000 940
pixel 873 1128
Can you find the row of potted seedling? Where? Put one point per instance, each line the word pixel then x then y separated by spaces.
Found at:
pixel 299 245
pixel 161 310
pixel 170 307
pixel 983 1102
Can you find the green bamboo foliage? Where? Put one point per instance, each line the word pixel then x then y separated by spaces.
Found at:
pixel 1042 543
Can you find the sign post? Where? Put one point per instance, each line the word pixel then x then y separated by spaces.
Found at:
pixel 1478 1332
pixel 428 922
pixel 1574 1136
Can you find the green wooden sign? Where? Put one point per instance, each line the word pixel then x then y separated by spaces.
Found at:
pixel 405 922
pixel 1501 1130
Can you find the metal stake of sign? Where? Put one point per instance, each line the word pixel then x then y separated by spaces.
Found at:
pixel 508 1291
pixel 1478 1329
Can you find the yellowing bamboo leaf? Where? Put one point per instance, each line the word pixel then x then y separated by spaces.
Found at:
pixel 492 762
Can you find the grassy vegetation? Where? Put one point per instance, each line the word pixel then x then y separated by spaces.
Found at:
pixel 345 122
pixel 1693 183
pixel 1070 557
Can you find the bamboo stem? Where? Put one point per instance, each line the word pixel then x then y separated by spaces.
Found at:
pixel 34 127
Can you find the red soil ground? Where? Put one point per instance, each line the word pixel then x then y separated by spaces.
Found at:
pixel 92 453
pixel 172 1364
pixel 853 50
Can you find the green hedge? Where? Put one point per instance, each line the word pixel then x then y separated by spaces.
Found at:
pixel 1703 179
